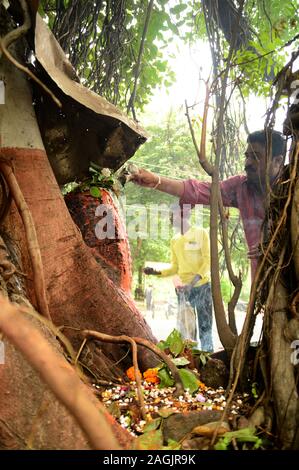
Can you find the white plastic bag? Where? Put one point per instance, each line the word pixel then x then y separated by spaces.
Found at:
pixel 186 321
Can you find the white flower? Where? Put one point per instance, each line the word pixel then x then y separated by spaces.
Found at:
pixel 106 172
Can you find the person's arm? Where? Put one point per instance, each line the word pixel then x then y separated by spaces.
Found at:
pixel 173 269
pixel 199 192
pixel 189 191
pixel 151 180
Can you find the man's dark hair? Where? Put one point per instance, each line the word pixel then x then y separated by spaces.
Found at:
pixel 278 141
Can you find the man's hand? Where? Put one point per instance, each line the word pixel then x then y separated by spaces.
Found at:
pixel 186 289
pixel 151 180
pixel 151 271
pixel 145 178
pixel 195 280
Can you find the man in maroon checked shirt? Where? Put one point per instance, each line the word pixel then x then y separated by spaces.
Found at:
pixel 245 192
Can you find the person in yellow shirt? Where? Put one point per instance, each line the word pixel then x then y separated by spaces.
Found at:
pixel 190 260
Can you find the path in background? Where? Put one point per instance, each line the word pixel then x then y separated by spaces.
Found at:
pixel 162 326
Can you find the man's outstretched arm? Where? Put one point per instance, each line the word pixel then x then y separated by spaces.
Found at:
pixel 190 191
pixel 148 179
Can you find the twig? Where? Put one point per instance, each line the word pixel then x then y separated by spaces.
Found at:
pixel 31 236
pixel 171 366
pixel 80 350
pixel 122 339
pixel 227 337
pixel 236 280
pixel 57 374
pixel 147 344
pixel 13 36
pixel 201 152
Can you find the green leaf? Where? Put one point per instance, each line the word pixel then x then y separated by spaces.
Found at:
pixel 189 380
pixel 178 9
pixel 152 425
pixel 165 378
pixel 173 27
pixel 180 361
pixel 151 440
pixel 203 359
pixel 114 409
pixel 175 342
pixel 95 192
pixel 243 435
pixel 172 445
pixel 162 345
pixel 165 412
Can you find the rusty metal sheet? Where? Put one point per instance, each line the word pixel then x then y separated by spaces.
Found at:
pixel 88 128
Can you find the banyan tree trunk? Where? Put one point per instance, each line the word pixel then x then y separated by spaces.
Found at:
pixel 80 294
pixel 111 252
pixel 282 370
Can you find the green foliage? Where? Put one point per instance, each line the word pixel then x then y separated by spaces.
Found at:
pixel 98 179
pixel 152 425
pixel 246 435
pixel 165 378
pixel 254 390
pixel 174 342
pixel 180 361
pixel 273 23
pixel 176 345
pixel 153 440
pixel 203 356
pixel 149 440
pixel 103 43
pixel 189 380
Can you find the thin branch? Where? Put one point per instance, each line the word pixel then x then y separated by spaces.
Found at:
pixel 215 198
pixel 147 344
pixel 201 152
pixel 236 280
pixel 227 336
pixel 122 339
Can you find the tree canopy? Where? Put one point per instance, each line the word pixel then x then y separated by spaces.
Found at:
pixel 117 45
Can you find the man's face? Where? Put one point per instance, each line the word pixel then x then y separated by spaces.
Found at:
pixel 256 165
pixel 178 219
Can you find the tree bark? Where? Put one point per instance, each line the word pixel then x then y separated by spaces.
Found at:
pixel 294 228
pixel 282 369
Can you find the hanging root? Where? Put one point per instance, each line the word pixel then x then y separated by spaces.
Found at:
pixel 7 268
pixel 13 36
pixel 31 236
